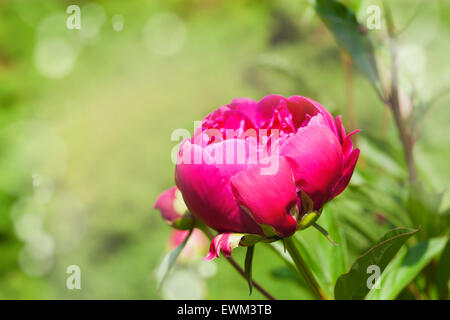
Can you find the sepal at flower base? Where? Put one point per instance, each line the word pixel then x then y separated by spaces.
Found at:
pixel 308 220
pixel 248 266
pixel 185 222
pixel 308 215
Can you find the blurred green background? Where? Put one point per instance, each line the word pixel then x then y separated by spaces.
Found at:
pixel 86 118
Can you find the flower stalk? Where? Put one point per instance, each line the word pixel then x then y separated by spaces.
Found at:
pixel 303 269
pixel 393 102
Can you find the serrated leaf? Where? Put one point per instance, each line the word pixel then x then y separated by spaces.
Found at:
pixel 353 284
pixel 248 266
pixel 405 268
pixel 169 261
pixel 341 21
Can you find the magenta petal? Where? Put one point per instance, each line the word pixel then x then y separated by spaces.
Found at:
pixel 267 105
pixel 232 156
pixel 258 112
pixel 268 198
pixel 316 157
pixel 224 242
pixel 347 145
pixel 347 174
pixel 226 245
pixel 208 196
pixel 340 128
pixel 164 204
pixel 302 110
pixel 247 107
pixel 214 248
pixel 223 123
pixel 302 106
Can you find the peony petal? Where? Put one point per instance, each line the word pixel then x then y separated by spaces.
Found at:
pixel 214 248
pixel 316 158
pixel 347 174
pixel 340 128
pixel 207 195
pixel 268 198
pixel 165 204
pixel 302 107
pixel 260 113
pixel 347 145
pixel 302 110
pixel 223 123
pixel 226 242
pixel 266 107
pixel 233 156
pixel 247 107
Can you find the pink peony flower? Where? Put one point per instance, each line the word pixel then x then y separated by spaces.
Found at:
pixel 253 170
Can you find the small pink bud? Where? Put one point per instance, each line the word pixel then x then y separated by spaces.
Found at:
pixel 173 209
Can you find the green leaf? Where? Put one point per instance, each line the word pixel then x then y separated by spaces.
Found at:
pixel 280 250
pixel 405 268
pixel 423 209
pixel 443 272
pixel 248 266
pixel 382 155
pixel 169 261
pixel 353 284
pixel 286 273
pixel 325 260
pixel 341 21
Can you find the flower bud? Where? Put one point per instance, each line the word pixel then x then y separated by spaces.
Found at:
pixel 173 209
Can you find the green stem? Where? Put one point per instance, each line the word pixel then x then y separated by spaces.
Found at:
pixel 303 269
pixel 406 137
